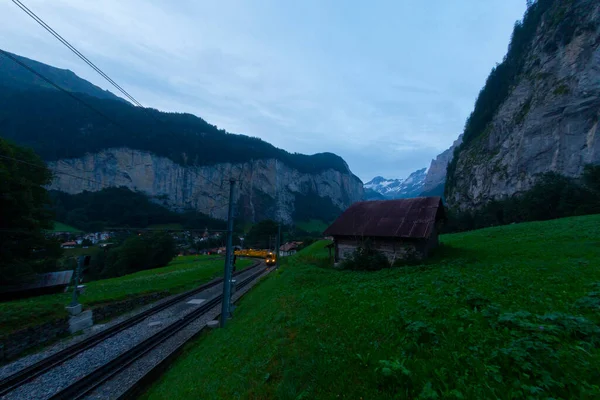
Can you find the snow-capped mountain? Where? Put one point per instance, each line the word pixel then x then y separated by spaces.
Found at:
pixel 379 187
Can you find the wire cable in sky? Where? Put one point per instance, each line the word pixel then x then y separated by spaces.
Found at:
pixel 53 171
pixel 102 184
pixel 23 65
pixel 74 50
pixel 8 55
pixel 91 64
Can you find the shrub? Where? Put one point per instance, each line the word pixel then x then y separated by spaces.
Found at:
pixel 365 257
pixel 411 257
pixel 137 253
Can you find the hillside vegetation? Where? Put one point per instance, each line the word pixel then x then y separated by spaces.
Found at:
pixel 121 207
pixel 60 227
pixel 183 273
pixel 72 130
pixel 508 312
pixel 14 75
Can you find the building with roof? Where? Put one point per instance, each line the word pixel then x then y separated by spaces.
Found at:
pixel 51 282
pixel 400 229
pixel 289 248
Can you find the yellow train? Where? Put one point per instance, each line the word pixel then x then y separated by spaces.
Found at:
pixel 268 256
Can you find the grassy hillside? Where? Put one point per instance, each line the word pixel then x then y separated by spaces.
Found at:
pixel 60 227
pixel 183 273
pixel 508 312
pixel 312 226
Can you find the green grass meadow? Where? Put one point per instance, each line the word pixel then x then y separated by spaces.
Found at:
pixel 60 227
pixel 313 225
pixel 183 273
pixel 501 313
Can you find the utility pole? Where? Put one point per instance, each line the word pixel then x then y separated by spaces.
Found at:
pixel 225 309
pixel 74 308
pixel 278 244
pixel 74 298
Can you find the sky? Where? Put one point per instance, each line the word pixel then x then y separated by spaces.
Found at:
pixel 385 84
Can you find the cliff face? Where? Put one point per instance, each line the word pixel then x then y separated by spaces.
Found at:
pixel 436 174
pixel 266 189
pixel 549 122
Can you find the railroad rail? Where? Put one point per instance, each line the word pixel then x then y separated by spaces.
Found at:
pixel 27 374
pixel 84 386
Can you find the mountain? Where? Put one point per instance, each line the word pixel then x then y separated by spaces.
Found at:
pixel 436 174
pixel 177 160
pixel 15 76
pixel 539 110
pixel 371 194
pixel 380 188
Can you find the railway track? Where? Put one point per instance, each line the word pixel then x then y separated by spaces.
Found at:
pixel 89 382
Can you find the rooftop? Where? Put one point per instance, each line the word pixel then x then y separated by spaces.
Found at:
pixel 404 218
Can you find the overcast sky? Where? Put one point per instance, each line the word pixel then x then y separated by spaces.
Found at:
pixel 386 84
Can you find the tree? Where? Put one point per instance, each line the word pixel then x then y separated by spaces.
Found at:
pixel 119 206
pixel 24 249
pixel 137 253
pixel 184 138
pixel 591 177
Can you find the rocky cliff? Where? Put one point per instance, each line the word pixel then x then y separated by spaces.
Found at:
pixel 436 174
pixel 179 160
pixel 267 188
pixel 549 119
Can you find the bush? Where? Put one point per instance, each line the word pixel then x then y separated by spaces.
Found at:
pixel 367 258
pixel 135 254
pixel 411 257
pixel 24 248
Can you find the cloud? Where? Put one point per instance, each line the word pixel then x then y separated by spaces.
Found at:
pixel 386 85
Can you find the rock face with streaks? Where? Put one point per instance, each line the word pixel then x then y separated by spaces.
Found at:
pixel 549 121
pixel 266 188
pixel 436 174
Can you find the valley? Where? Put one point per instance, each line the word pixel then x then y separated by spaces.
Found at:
pixel 129 233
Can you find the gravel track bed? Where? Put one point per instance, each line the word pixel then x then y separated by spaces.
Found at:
pixel 26 361
pixel 83 363
pixel 120 384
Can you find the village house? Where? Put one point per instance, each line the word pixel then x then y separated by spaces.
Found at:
pixel 289 248
pixel 400 229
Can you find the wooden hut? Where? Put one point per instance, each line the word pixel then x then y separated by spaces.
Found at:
pixel 401 229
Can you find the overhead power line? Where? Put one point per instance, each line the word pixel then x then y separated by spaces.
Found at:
pixel 77 99
pixel 74 50
pixel 48 28
pixel 56 172
pixel 102 184
pixel 97 69
pixel 65 91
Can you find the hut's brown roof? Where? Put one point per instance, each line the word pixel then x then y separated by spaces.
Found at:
pixel 405 218
pixel 60 278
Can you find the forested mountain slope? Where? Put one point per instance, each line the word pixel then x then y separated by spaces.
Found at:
pixel 175 157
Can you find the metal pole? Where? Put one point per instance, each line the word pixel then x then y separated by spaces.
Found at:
pixel 74 300
pixel 278 244
pixel 225 311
